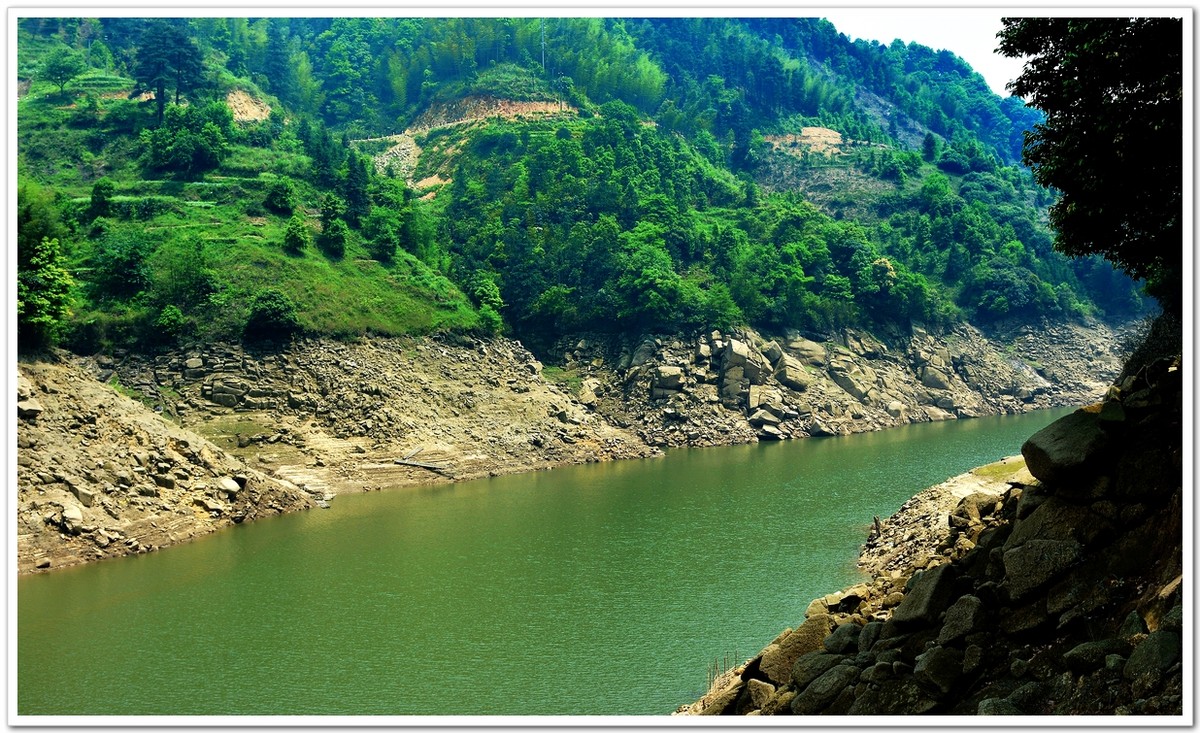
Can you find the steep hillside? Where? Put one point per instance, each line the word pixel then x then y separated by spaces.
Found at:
pixel 454 186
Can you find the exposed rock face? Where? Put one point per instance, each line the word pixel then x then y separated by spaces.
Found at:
pixel 1060 594
pixel 99 475
pixel 717 389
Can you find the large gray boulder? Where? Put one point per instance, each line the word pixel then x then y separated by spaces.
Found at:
pixel 1065 451
pixel 792 374
pixel 929 593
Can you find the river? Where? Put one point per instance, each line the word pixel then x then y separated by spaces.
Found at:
pixel 604 589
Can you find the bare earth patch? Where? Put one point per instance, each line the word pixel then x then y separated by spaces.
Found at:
pixel 246 108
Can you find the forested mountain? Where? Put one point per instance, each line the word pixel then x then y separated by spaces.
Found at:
pixel 218 177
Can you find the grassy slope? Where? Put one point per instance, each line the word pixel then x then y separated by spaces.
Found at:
pixel 242 243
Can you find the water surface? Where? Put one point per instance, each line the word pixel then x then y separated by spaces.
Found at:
pixel 601 589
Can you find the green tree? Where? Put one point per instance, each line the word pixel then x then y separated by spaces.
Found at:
pixel 43 293
pixel 61 66
pixel 297 237
pixel 102 193
pixel 1112 140
pixel 166 58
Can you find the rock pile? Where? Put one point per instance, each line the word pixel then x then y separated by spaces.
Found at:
pixel 99 475
pixel 1062 595
pixel 721 388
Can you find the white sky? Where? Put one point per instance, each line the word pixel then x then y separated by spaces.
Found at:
pixel 969 33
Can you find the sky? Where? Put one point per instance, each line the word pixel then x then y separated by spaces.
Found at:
pixel 969 33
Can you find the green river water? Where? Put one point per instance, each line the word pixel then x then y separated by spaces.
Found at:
pixel 605 589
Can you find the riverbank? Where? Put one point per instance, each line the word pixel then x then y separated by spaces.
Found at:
pixel 1053 585
pixel 319 418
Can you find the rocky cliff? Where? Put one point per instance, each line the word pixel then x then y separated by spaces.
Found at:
pixel 1056 590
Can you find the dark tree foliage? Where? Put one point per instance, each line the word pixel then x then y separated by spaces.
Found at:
pixel 166 58
pixel 272 316
pixel 1112 142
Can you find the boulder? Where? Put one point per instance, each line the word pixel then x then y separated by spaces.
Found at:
pixel 1063 452
pixel 29 409
pixel 669 377
pixel 1091 655
pixel 643 353
pixel 966 616
pixel 1035 563
pixel 934 378
pixel 792 374
pixel 811 666
pixel 72 518
pixel 855 379
pixel 772 351
pixel 779 657
pixel 822 691
pixel 928 594
pixel 938 669
pixel 194 363
pixel 809 352
pixel 843 638
pixel 1151 659
pixel 229 486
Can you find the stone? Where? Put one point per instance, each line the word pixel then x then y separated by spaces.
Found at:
pixel 669 377
pixel 643 353
pixel 869 635
pixel 928 595
pixel 760 692
pixel 1064 451
pixel 899 696
pixel 1037 562
pixel 763 417
pixel 938 669
pixel 1151 659
pixel 1090 655
pixel 229 486
pixel 29 409
pixel 843 638
pixel 966 616
pixel 934 378
pixel 737 353
pixel 772 351
pixel 778 658
pixel 895 408
pixel 227 400
pixel 997 706
pixel 194 363
pixel 810 352
pixel 792 374
pixel 72 518
pixel 811 666
pixel 87 497
pixel 822 691
pixel 210 505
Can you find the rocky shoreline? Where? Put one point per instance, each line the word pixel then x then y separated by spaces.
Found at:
pixel 314 418
pixel 1049 583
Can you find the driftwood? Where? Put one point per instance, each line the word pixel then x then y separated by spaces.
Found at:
pixel 406 461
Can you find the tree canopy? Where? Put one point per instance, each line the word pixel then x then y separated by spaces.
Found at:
pixel 1112 141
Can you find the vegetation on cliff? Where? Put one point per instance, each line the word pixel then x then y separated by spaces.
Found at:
pixel 189 167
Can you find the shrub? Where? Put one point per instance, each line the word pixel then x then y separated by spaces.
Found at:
pixel 281 196
pixel 272 315
pixel 333 239
pixel 297 237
